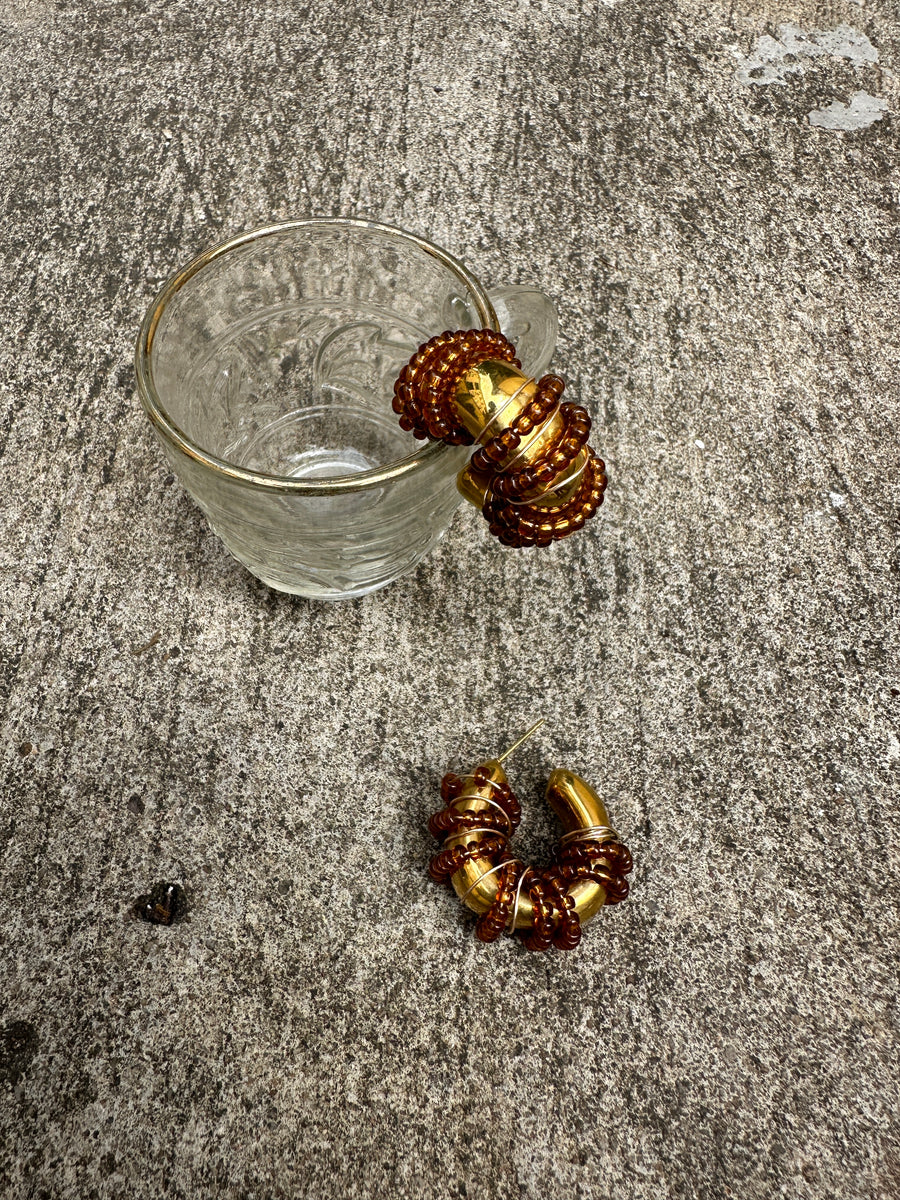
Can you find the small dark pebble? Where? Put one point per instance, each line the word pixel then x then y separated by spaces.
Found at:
pixel 136 805
pixel 25 749
pixel 163 905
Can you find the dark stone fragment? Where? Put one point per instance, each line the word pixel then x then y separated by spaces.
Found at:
pixel 164 904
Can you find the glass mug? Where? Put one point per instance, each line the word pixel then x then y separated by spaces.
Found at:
pixel 267 366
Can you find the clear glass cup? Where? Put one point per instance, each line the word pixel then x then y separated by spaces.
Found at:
pixel 267 368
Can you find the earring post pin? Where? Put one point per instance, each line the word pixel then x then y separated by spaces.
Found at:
pixel 524 738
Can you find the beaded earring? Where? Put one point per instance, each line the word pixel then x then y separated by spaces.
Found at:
pixel 545 906
pixel 534 476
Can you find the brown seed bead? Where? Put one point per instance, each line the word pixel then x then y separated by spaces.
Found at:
pixel 492 923
pixel 604 864
pixel 542 926
pixel 542 402
pixel 445 864
pixel 615 887
pixel 617 891
pixel 555 894
pixel 510 805
pixel 613 853
pixel 451 787
pixel 538 940
pixel 568 935
pixel 487 458
pixel 504 443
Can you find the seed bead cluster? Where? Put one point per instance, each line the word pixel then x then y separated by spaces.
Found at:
pixel 423 393
pixel 538 525
pixel 555 921
pixel 424 400
pixel 449 823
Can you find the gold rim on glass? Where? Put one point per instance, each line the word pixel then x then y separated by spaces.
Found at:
pixel 285 483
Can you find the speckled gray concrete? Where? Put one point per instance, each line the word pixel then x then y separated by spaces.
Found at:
pixel 718 653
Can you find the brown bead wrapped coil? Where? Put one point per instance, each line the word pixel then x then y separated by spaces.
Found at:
pixel 533 474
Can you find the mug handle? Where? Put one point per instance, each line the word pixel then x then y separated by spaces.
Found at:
pixel 528 318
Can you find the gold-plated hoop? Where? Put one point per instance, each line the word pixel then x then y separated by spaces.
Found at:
pixel 532 473
pixel 545 905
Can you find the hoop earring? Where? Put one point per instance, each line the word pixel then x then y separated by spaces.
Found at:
pixel 533 474
pixel 544 906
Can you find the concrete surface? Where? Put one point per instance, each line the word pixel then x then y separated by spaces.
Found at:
pixel 719 653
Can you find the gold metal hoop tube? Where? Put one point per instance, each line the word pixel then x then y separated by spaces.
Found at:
pixel 578 808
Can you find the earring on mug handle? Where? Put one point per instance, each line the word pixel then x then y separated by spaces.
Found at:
pixel 533 475
pixel 545 906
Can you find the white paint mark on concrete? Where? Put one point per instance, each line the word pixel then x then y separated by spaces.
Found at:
pixel 893 748
pixel 837 500
pixel 700 444
pixel 773 60
pixel 862 111
pixel 847 42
